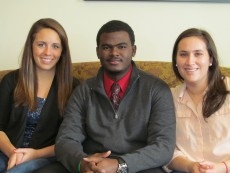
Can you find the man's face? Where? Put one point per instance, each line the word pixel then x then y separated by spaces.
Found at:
pixel 115 52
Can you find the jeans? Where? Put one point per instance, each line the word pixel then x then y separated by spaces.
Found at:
pixel 26 167
pixel 55 167
pixel 3 162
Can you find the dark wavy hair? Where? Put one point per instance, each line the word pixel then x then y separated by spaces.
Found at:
pixel 25 92
pixel 217 92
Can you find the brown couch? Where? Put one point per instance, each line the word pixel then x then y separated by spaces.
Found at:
pixel 84 70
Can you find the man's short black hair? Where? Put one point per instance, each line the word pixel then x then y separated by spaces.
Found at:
pixel 114 26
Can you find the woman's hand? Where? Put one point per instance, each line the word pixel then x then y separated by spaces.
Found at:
pixel 20 155
pixel 210 167
pixel 14 159
pixel 194 167
pixel 25 154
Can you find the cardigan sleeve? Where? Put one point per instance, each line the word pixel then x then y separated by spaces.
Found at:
pixel 7 86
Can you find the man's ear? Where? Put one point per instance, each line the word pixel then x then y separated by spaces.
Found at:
pixel 97 49
pixel 134 50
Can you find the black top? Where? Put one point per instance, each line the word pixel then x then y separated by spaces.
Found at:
pixel 13 119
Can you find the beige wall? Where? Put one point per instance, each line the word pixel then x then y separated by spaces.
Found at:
pixel 156 25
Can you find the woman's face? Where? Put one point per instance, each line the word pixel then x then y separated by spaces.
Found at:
pixel 47 49
pixel 193 60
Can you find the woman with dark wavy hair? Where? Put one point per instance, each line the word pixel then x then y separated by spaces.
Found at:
pixel 202 105
pixel 33 98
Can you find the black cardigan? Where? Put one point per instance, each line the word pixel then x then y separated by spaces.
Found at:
pixel 13 119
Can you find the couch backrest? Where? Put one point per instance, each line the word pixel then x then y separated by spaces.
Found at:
pixel 3 73
pixel 163 70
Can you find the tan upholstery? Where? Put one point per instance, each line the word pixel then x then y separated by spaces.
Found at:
pixel 163 70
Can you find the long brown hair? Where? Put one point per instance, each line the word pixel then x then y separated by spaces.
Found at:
pixel 217 92
pixel 25 92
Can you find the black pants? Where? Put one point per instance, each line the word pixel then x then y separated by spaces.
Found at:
pixel 153 170
pixel 59 168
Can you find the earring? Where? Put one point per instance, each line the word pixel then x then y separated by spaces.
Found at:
pixel 176 65
pixel 210 64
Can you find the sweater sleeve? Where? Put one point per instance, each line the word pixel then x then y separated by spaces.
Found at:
pixel 161 133
pixel 71 134
pixel 7 86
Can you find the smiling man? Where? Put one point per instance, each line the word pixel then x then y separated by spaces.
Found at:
pixel 126 128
